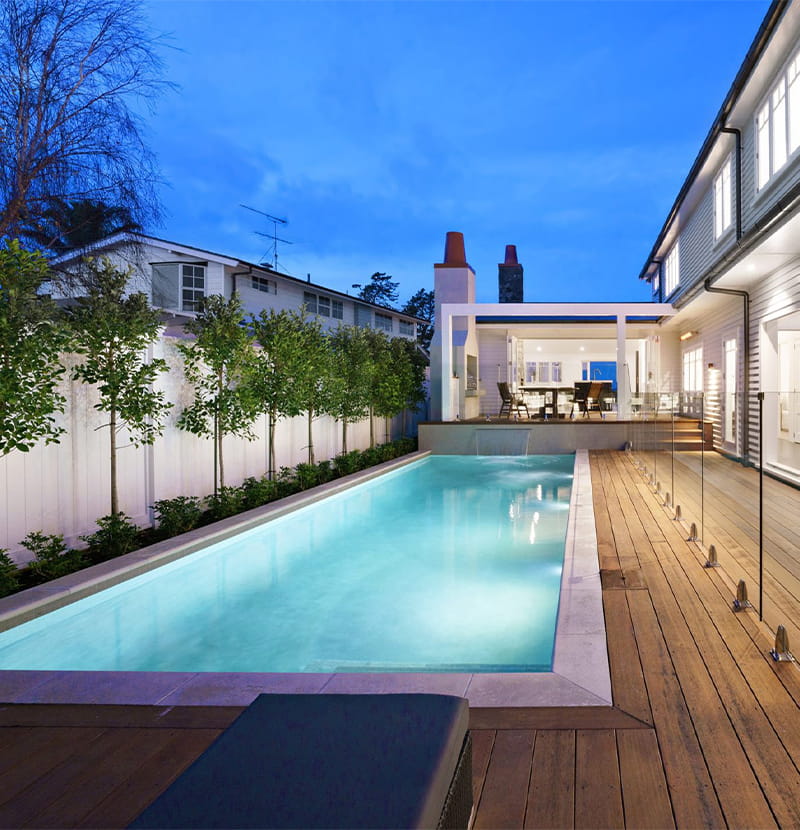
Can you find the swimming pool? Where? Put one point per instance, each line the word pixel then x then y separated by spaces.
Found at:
pixel 451 564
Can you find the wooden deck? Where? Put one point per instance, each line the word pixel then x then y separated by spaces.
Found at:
pixel 704 731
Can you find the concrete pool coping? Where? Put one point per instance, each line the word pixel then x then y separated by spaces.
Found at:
pixel 580 675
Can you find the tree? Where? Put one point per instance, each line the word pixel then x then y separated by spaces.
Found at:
pixel 351 371
pixel 315 384
pixel 218 365
pixel 113 332
pixel 380 289
pixel 380 372
pixel 70 72
pixel 75 223
pixel 422 305
pixel 31 341
pixel 277 367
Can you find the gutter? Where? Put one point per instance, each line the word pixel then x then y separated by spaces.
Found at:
pixel 759 44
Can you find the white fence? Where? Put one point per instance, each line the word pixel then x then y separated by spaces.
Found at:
pixel 63 488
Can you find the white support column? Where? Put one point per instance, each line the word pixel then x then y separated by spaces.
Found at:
pixel 623 384
pixel 447 363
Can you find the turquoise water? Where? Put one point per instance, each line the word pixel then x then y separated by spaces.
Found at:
pixel 452 563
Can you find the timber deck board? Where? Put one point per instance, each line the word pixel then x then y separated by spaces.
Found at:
pixel 704 729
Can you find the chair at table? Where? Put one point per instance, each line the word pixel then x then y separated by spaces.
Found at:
pixel 511 402
pixel 586 397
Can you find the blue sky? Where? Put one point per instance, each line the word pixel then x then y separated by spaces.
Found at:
pixel 566 128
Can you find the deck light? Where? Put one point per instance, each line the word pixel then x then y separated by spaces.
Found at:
pixel 712 561
pixel 741 600
pixel 781 651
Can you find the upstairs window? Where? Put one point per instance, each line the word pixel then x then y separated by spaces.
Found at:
pixel 778 124
pixel 383 321
pixel 722 200
pixel 310 302
pixel 671 270
pixel 405 327
pixel 263 284
pixel 363 316
pixel 322 305
pixel 193 286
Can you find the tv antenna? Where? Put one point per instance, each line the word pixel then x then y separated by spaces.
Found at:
pixel 276 220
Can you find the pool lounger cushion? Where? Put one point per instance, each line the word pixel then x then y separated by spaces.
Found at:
pixel 394 760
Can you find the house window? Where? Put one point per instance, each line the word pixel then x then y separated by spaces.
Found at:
pixel 310 302
pixel 693 370
pixel 193 286
pixel 263 284
pixel 383 321
pixel 405 327
pixel 722 200
pixel 778 124
pixel 363 316
pixel 671 270
pixel 337 309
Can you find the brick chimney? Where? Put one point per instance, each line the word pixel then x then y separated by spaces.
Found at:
pixel 509 277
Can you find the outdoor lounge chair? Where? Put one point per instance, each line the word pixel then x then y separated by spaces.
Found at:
pixel 510 401
pixel 329 760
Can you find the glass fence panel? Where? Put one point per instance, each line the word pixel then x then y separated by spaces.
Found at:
pixel 779 501
pixel 688 445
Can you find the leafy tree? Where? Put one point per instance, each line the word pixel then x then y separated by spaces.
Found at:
pixel 422 305
pixel 218 364
pixel 67 224
pixel 351 376
pixel 380 289
pixel 402 387
pixel 316 386
pixel 380 372
pixel 71 72
pixel 277 368
pixel 31 341
pixel 113 332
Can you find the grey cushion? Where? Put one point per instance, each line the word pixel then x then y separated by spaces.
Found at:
pixel 323 761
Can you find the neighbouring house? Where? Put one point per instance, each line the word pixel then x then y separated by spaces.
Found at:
pixel 724 324
pixel 176 277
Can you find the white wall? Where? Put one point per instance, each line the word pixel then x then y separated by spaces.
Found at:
pixel 63 488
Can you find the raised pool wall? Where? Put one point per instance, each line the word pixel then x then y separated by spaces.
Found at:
pixel 580 675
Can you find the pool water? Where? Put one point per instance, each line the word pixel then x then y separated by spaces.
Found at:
pixel 449 564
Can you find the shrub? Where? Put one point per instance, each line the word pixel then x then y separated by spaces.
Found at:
pixel 117 535
pixel 307 476
pixel 347 463
pixel 257 491
pixel 9 574
pixel 227 501
pixel 177 515
pixel 52 558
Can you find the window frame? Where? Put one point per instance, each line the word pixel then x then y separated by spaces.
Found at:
pixel 777 124
pixel 692 370
pixel 263 284
pixel 196 293
pixel 383 322
pixel 672 269
pixel 723 198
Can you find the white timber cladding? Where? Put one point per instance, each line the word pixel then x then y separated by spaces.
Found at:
pixel 63 488
pixel 493 367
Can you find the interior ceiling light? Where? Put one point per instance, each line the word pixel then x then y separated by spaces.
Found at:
pixel 688 334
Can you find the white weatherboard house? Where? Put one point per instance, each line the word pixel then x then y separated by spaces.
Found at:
pixel 176 277
pixel 725 273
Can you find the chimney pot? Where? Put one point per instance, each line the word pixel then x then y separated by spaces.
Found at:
pixel 454 249
pixel 511 255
